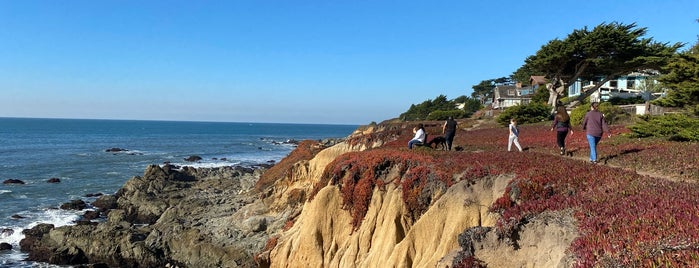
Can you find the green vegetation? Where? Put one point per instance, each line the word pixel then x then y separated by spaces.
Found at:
pixel 608 50
pixel 530 113
pixel 440 108
pixel 682 79
pixel 612 114
pixel 675 127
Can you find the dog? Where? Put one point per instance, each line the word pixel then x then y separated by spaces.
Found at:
pixel 437 142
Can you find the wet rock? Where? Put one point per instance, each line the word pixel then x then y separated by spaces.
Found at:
pixel 116 150
pixel 94 195
pixel 193 158
pixel 5 246
pixel 105 202
pixel 17 217
pixel 7 232
pixel 13 181
pixel 54 180
pixel 74 205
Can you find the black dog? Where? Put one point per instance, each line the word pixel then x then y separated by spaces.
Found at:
pixel 439 141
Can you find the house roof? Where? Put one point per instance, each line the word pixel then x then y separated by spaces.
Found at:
pixel 537 80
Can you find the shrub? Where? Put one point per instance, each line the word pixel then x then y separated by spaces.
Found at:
pixel 530 113
pixel 612 114
pixel 443 115
pixel 625 101
pixel 676 127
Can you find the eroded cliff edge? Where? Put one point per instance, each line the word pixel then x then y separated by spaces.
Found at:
pixel 365 202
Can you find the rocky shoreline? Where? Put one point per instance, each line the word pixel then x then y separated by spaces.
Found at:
pixel 169 217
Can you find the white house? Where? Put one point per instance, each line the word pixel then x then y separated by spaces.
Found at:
pixel 510 95
pixel 627 86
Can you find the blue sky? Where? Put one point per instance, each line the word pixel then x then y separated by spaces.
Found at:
pixel 334 62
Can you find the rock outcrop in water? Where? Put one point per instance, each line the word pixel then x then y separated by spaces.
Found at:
pixel 186 218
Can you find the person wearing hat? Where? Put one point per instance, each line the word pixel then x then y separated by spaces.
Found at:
pixel 594 125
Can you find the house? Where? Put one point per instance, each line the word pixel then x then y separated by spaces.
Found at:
pixel 537 80
pixel 632 85
pixel 510 95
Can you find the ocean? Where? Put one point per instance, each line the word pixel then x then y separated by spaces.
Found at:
pixel 77 152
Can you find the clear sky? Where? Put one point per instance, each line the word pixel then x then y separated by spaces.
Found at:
pixel 334 62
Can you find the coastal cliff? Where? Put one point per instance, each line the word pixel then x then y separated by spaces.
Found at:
pixel 363 202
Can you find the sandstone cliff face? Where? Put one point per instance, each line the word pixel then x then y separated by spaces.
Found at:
pixel 323 236
pixel 387 237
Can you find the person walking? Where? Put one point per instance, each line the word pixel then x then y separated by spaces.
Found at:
pixel 514 135
pixel 594 126
pixel 449 131
pixel 561 122
pixel 419 136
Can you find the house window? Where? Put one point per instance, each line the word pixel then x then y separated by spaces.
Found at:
pixel 631 83
pixel 613 83
pixel 511 92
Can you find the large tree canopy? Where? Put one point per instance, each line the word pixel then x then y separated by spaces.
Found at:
pixel 682 79
pixel 607 51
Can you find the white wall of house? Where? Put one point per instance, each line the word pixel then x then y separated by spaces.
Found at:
pixel 624 87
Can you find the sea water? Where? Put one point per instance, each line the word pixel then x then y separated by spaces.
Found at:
pixel 76 152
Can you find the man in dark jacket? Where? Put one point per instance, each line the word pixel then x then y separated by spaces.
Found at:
pixel 449 131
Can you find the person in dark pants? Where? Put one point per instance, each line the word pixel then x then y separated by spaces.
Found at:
pixel 561 123
pixel 449 131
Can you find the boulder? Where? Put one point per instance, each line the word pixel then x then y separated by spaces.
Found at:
pixel 193 158
pixel 74 205
pixel 5 246
pixel 94 195
pixel 6 231
pixel 53 180
pixel 115 150
pixel 106 202
pixel 12 181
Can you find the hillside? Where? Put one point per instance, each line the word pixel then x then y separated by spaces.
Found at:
pixel 384 205
pixel 368 201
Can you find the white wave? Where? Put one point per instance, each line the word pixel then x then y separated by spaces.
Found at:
pixel 57 217
pixel 5 191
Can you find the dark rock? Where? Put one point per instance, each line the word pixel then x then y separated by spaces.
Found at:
pixel 94 195
pixel 74 205
pixel 17 217
pixel 5 246
pixel 116 150
pixel 54 180
pixel 242 169
pixel 193 158
pixel 91 215
pixel 12 181
pixel 33 236
pixel 7 231
pixel 105 202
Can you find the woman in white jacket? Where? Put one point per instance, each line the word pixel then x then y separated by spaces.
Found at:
pixel 419 136
pixel 514 135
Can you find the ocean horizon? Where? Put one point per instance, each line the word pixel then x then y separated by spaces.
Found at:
pixel 97 156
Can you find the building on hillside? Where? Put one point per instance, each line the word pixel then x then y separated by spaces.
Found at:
pixel 633 85
pixel 510 95
pixel 536 81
